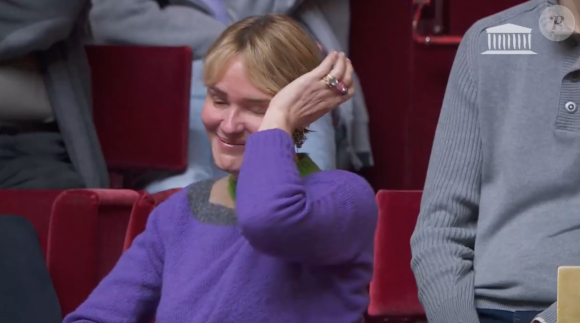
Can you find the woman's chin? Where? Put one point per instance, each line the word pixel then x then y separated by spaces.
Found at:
pixel 228 164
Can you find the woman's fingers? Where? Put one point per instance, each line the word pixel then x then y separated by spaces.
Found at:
pixel 347 79
pixel 339 67
pixel 351 91
pixel 324 68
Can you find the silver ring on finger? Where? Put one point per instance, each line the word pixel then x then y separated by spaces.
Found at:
pixel 333 82
pixel 330 80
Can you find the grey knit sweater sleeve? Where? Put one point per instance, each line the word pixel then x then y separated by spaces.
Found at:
pixel 143 22
pixel 443 241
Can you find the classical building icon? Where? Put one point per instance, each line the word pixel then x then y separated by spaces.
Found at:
pixel 509 39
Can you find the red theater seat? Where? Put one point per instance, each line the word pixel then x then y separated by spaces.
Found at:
pixel 393 289
pixel 141 105
pixel 86 236
pixel 141 211
pixel 81 234
pixel 138 219
pixel 61 241
pixel 34 205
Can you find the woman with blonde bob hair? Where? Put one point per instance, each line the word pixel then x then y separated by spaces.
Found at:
pixel 277 240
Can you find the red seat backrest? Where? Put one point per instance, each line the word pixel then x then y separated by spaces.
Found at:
pixel 393 289
pixel 81 233
pixel 34 205
pixel 141 211
pixel 87 232
pixel 141 105
pixel 140 214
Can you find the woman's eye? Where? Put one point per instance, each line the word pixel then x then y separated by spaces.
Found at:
pixel 258 110
pixel 219 103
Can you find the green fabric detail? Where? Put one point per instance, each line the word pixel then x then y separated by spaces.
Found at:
pixel 305 167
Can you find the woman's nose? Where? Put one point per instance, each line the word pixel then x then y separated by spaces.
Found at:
pixel 232 124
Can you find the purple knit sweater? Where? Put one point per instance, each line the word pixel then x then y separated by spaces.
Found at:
pixel 295 250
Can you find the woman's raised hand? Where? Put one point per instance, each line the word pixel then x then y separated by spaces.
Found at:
pixel 312 95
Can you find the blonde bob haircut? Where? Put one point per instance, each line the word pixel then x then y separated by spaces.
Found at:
pixel 274 49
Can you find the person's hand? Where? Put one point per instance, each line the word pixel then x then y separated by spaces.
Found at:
pixel 309 97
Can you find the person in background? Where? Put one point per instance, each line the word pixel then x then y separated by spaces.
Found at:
pixel 277 239
pixel 197 23
pixel 47 135
pixel 499 213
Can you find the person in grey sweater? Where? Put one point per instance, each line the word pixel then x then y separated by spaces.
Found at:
pixel 500 205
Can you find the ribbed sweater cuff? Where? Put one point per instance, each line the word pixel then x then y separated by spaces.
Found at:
pixel 271 144
pixel 458 309
pixel 269 154
pixel 550 315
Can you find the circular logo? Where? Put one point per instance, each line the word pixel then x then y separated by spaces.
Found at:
pixel 557 23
